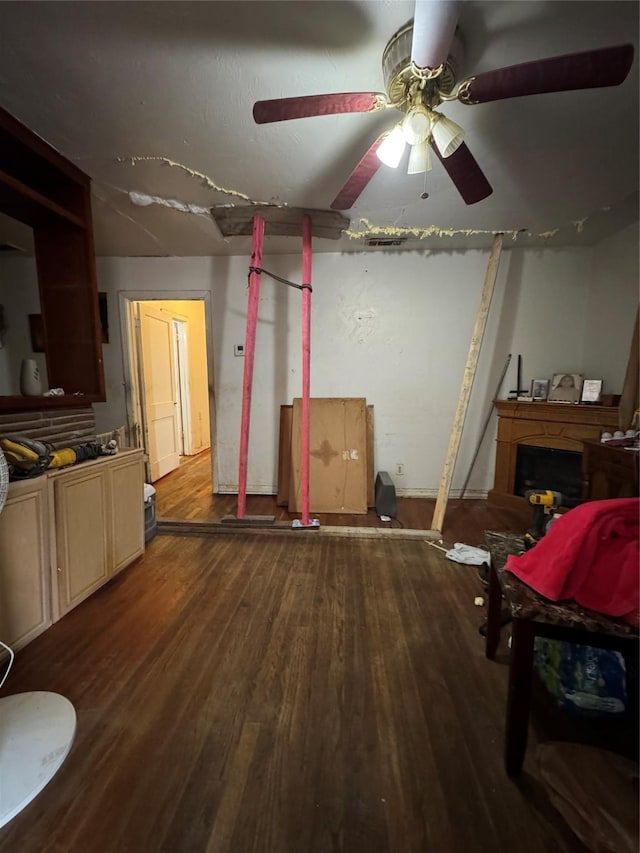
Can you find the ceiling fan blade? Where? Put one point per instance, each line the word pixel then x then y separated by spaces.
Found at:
pixel 591 69
pixel 434 23
pixel 282 109
pixel 359 178
pixel 465 173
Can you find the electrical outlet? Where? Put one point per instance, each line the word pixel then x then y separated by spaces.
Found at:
pixel 399 469
pixel 238 349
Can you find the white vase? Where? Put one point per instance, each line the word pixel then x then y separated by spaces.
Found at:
pixel 30 384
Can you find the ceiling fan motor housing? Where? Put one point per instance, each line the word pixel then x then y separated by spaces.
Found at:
pixel 399 75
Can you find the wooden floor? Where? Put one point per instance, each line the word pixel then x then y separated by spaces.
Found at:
pixel 185 494
pixel 282 694
pixel 289 693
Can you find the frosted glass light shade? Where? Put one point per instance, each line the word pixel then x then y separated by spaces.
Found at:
pixel 419 158
pixel 447 135
pixel 417 125
pixel 391 148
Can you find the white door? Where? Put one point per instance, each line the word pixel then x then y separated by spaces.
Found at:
pixel 159 390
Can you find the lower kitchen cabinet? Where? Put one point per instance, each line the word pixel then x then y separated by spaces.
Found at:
pixel 125 484
pixel 25 587
pixel 62 536
pixel 99 524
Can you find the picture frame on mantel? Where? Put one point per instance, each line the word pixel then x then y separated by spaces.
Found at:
pixel 591 391
pixel 539 389
pixel 565 388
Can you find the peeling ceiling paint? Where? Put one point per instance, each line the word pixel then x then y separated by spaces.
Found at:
pixel 176 87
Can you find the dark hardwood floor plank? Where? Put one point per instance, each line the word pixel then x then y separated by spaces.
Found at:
pixel 243 694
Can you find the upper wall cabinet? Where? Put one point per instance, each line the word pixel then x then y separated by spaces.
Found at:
pixel 41 188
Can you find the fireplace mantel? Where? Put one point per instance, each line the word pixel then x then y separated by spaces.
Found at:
pixel 563 426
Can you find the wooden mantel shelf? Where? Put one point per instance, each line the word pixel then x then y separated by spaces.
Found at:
pixel 572 413
pixel 562 426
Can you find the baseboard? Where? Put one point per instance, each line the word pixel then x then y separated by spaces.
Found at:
pixel 470 494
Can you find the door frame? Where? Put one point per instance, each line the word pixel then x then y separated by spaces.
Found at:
pixel 131 379
pixel 180 332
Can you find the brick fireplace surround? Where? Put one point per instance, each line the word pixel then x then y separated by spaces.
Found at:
pixel 562 426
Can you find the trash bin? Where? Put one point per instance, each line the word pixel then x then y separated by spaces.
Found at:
pixel 150 526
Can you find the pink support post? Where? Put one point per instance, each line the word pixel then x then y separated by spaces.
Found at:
pixel 306 361
pixel 249 352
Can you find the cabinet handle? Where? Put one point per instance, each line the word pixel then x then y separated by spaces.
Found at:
pixel 59 570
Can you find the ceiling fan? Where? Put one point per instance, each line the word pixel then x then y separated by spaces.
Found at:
pixel 420 73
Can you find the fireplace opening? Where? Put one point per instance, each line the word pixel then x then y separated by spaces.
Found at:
pixel 548 468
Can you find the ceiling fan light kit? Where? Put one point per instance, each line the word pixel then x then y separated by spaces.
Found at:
pixel 420 70
pixel 419 158
pixel 392 148
pixel 417 125
pixel 447 135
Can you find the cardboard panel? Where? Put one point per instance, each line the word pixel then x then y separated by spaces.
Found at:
pixel 338 455
pixel 284 457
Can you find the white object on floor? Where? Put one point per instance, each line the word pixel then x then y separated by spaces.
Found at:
pixel 36 733
pixel 461 553
pixel 384 517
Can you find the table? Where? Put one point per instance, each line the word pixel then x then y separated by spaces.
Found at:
pixel 532 616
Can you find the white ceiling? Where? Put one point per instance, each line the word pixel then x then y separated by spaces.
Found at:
pixel 155 98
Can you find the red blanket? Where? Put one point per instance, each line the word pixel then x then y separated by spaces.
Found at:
pixel 590 554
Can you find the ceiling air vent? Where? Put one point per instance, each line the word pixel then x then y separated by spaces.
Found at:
pixel 386 241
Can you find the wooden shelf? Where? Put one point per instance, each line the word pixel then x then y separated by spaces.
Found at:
pixel 42 189
pixel 18 403
pixel 26 205
pixel 571 413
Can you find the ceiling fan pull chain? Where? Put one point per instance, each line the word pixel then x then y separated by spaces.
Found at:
pixel 424 194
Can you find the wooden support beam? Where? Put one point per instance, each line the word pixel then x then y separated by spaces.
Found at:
pixel 249 353
pixel 237 221
pixel 467 383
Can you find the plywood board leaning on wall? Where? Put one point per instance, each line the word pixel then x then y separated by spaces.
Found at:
pixel 338 455
pixel 284 456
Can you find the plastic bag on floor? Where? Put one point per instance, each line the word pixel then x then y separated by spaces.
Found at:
pixel 461 553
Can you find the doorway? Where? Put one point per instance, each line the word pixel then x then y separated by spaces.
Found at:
pixel 167 365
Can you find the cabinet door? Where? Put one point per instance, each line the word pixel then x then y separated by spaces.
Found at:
pixel 81 503
pixel 126 498
pixel 25 608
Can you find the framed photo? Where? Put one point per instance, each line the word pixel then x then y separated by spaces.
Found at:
pixel 591 390
pixel 565 388
pixel 539 389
